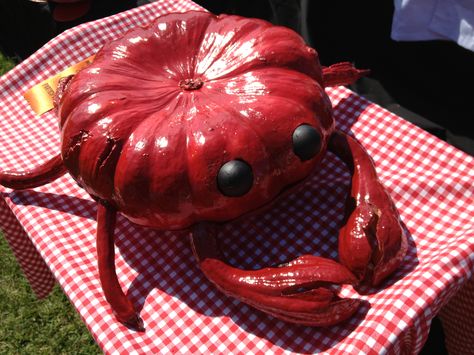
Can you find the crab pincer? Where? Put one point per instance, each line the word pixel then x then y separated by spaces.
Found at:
pixel 300 291
pixel 372 242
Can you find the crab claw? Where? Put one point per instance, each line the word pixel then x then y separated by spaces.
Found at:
pixel 372 242
pixel 299 291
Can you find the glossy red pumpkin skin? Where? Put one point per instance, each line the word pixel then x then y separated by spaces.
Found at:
pixel 136 138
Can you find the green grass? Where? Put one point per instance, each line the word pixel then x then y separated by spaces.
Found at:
pixel 29 325
pixel 32 326
pixel 5 64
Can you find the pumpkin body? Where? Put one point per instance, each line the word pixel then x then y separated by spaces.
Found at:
pixel 147 126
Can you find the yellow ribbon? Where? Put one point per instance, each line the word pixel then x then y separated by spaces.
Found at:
pixel 41 96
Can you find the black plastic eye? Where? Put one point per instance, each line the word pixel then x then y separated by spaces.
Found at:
pixel 235 178
pixel 306 142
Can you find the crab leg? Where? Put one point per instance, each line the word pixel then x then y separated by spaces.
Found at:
pixel 298 291
pixel 372 242
pixel 121 305
pixel 49 171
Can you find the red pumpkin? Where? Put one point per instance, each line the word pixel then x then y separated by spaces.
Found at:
pixel 198 118
pixel 150 122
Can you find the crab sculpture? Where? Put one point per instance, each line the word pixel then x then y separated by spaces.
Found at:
pixel 198 119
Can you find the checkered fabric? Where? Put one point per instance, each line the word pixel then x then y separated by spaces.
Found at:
pixel 430 181
pixel 34 267
pixel 459 329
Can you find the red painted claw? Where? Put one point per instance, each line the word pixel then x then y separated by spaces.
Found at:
pixel 298 291
pixel 372 242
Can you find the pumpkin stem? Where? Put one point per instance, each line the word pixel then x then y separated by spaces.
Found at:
pixel 191 84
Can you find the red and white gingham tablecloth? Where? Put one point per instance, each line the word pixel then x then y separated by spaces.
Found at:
pixel 52 229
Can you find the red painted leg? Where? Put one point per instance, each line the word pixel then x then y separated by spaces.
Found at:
pixel 121 305
pixel 49 171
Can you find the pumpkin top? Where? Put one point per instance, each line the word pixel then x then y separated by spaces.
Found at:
pixel 151 124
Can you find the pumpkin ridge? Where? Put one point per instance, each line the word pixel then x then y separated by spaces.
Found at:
pixel 157 38
pixel 160 101
pixel 185 128
pixel 290 71
pixel 103 171
pixel 189 176
pixel 258 67
pixel 97 64
pixel 109 156
pixel 262 55
pixel 312 103
pixel 267 94
pixel 136 108
pixel 112 110
pixel 307 62
pixel 153 79
pixel 241 34
pixel 71 154
pixel 233 112
pixel 194 57
pixel 148 181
